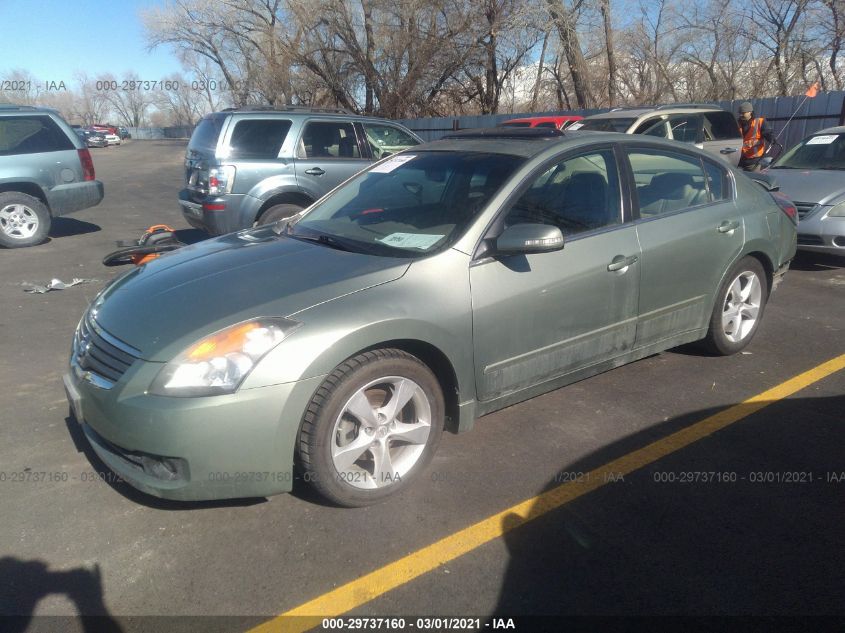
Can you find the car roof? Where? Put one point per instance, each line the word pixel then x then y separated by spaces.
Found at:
pixel 289 111
pixel 12 108
pixel 542 119
pixel 838 129
pixel 523 142
pixel 633 113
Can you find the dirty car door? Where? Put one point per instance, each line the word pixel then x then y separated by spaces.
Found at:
pixel 540 316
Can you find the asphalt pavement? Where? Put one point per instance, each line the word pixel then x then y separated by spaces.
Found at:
pixel 762 538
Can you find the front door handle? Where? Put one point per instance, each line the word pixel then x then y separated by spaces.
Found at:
pixel 727 150
pixel 728 226
pixel 620 263
pixel 315 171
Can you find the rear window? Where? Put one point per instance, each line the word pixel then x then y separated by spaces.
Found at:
pixel 206 133
pixel 721 126
pixel 32 135
pixel 258 138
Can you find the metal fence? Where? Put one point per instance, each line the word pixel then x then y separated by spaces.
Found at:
pixel 159 133
pixel 825 110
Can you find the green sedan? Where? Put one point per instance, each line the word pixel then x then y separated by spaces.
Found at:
pixel 441 284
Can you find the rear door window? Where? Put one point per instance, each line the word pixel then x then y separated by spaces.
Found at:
pixel 329 139
pixel 720 126
pixel 668 182
pixel 258 138
pixel 32 135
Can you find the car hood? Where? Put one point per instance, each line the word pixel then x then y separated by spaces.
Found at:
pixel 163 306
pixel 809 185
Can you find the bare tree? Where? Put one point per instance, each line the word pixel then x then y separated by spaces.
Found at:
pixel 565 19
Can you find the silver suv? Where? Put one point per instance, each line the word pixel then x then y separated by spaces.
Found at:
pixel 252 166
pixel 701 124
pixel 45 171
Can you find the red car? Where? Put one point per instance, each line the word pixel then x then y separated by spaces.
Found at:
pixel 557 122
pixel 104 128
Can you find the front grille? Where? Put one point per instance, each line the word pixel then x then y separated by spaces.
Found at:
pixel 97 352
pixel 810 240
pixel 804 208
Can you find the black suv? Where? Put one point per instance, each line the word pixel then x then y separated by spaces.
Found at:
pixel 45 171
pixel 258 165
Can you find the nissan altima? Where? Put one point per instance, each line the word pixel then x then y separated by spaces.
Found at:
pixel 443 283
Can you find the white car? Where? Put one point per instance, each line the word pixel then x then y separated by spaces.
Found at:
pixel 113 139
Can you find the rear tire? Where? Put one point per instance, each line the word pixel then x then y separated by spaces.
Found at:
pixel 738 309
pixel 278 212
pixel 24 220
pixel 371 427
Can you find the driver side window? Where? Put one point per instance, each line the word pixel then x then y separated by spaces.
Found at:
pixel 578 194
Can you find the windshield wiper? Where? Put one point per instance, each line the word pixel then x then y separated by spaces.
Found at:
pixel 326 240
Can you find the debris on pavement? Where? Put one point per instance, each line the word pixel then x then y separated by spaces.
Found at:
pixel 54 284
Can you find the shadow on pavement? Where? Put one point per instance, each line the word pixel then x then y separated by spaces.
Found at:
pixel 23 583
pixel 744 522
pixel 817 261
pixel 65 227
pixel 191 236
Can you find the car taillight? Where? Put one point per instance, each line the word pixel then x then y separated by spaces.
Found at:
pixel 220 180
pixel 87 164
pixel 785 205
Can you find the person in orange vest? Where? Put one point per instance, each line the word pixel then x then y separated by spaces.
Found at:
pixel 756 135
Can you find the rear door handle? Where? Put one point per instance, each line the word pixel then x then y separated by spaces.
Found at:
pixel 727 150
pixel 728 226
pixel 315 171
pixel 620 263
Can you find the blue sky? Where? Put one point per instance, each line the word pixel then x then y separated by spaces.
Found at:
pixel 54 39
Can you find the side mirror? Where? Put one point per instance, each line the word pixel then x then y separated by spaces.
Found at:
pixel 765 161
pixel 529 238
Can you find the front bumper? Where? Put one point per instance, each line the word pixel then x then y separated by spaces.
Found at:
pixel 818 233
pixel 217 447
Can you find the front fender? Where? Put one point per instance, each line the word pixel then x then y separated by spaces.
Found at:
pixel 419 307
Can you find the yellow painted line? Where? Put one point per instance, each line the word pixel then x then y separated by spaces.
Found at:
pixel 372 585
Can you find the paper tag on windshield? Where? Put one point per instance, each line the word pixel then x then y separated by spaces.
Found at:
pixel 392 163
pixel 825 139
pixel 575 126
pixel 411 240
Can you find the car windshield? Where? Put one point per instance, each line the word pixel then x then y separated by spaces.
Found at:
pixel 410 205
pixel 822 151
pixel 603 125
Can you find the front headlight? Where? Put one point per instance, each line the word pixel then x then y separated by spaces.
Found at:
pixel 837 211
pixel 219 363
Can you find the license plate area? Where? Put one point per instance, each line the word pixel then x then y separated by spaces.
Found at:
pixel 73 398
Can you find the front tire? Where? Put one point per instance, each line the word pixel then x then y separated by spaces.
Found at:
pixel 738 309
pixel 24 220
pixel 371 428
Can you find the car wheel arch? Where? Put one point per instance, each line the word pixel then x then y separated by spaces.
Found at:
pixel 28 188
pixel 758 253
pixel 431 354
pixel 287 197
